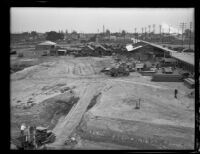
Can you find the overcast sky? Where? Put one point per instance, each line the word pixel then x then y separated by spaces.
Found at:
pixel 89 20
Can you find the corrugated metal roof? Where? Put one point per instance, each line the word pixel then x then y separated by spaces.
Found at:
pixel 62 50
pixel 184 57
pixel 90 47
pixel 131 48
pixel 187 58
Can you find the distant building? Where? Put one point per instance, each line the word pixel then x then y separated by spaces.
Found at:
pixel 112 37
pixel 45 47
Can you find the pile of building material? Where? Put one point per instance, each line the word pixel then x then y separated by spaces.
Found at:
pixel 148 73
pixel 189 82
pixel 167 78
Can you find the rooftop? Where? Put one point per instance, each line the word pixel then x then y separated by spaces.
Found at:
pixel 47 43
pixel 185 57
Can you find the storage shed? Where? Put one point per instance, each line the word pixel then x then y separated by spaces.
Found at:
pixel 45 47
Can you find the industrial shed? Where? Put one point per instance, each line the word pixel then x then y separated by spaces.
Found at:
pixel 45 47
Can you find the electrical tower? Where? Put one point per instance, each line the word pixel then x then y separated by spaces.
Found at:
pixel 182 25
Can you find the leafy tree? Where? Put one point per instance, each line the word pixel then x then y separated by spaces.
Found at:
pixel 53 36
pixel 123 33
pixel 108 32
pixel 25 33
pixel 61 35
pixel 74 32
pixel 187 33
pixel 34 33
pixel 93 38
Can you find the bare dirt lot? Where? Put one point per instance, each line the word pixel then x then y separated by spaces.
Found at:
pixel 99 110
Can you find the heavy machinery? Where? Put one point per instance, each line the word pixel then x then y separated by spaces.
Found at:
pixel 118 72
pixel 43 136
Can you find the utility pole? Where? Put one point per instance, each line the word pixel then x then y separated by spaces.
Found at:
pixel 135 34
pixel 142 32
pixel 160 32
pixel 145 29
pixel 182 25
pixel 154 30
pixel 190 33
pixel 169 33
pixel 149 29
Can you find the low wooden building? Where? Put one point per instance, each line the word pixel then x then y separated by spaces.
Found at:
pixel 45 47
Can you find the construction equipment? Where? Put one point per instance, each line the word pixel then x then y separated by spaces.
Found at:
pixel 120 71
pixel 41 137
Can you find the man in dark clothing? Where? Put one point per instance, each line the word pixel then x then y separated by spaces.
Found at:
pixel 175 93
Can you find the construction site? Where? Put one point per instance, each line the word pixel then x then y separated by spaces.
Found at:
pixel 131 94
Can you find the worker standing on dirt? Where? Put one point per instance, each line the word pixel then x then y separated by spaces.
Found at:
pixel 175 93
pixel 22 128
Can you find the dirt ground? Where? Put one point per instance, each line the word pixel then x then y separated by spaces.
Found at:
pixel 161 118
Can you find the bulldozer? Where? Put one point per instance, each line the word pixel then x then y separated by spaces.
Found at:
pixel 118 72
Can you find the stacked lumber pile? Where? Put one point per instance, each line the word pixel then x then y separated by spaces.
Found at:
pixel 167 78
pixel 189 82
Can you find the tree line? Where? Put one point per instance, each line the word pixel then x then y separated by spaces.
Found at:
pixel 54 36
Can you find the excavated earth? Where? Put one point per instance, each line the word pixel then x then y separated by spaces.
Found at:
pixel 71 97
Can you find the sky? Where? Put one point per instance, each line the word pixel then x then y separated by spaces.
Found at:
pixel 91 20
